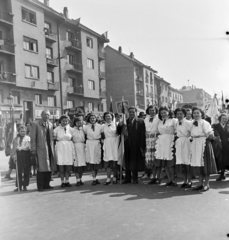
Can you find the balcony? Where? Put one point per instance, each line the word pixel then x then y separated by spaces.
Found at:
pixel 79 90
pixel 74 44
pixel 50 35
pixel 147 94
pixel 6 17
pixel 74 67
pixel 50 61
pixel 102 55
pixel 138 78
pixel 102 94
pixel 102 74
pixel 6 47
pixel 151 80
pixel 53 86
pixel 140 92
pixel 147 79
pixel 8 78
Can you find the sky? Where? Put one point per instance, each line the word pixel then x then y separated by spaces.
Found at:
pixel 181 39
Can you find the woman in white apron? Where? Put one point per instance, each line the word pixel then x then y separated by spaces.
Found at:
pixel 202 155
pixel 165 144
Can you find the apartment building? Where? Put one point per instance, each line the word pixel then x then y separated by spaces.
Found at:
pixel 48 61
pixel 175 98
pixel 161 88
pixel 126 77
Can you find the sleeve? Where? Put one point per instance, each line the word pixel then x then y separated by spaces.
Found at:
pixel 33 135
pixel 14 150
pixel 207 128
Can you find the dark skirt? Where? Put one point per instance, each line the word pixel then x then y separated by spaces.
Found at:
pixel 165 163
pixel 66 167
pixel 12 164
pixel 80 169
pixel 209 162
pixel 182 168
pixel 94 167
pixel 23 159
pixel 110 164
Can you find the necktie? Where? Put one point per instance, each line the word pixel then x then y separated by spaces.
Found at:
pixel 164 121
pixel 109 125
pixel 180 123
pixel 65 129
pixel 151 119
pixel 93 127
pixel 195 123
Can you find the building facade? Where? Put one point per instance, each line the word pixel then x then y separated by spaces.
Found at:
pixel 175 98
pixel 161 91
pixel 48 61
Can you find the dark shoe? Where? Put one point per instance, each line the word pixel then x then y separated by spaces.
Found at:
pixel 198 188
pixel 68 184
pixel 62 185
pixel 135 182
pixel 183 185
pixel 189 185
pixel 126 181
pixel 168 184
pixel 78 184
pixel 81 183
pixel 107 183
pixel 174 184
pixel 8 177
pixel 220 178
pixel 16 190
pixel 49 187
pixel 24 188
pixel 97 181
pixel 158 181
pixel 31 175
pixel 40 189
pixel 152 181
pixel 205 189
pixel 94 183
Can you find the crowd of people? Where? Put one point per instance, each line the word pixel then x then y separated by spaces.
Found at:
pixel 179 142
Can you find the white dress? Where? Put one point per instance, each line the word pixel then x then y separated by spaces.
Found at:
pixel 111 143
pixel 165 141
pixel 93 146
pixel 199 134
pixel 79 147
pixel 64 146
pixel 183 151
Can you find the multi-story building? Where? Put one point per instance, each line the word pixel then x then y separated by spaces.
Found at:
pixel 175 97
pixel 195 96
pixel 126 77
pixel 48 60
pixel 161 91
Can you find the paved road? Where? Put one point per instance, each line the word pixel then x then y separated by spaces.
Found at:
pixel 114 212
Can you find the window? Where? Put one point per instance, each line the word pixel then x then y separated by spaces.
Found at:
pixel 38 99
pixel 90 63
pixel 1 67
pixel 51 101
pixel 70 104
pixel 16 96
pixel 49 53
pixel 31 71
pixel 151 89
pixel 162 99
pixel 0 34
pixel 166 99
pixel 100 107
pixel 71 59
pixel 137 87
pixel 30 44
pixel 1 95
pixel 28 16
pixel 71 81
pixel 69 36
pixel 91 85
pixel 90 106
pixel 50 76
pixel 89 42
pixel 48 26
pixel 147 89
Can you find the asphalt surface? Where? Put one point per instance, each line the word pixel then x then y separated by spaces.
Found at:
pixel 114 212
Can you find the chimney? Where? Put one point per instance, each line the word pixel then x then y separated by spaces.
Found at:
pixel 66 12
pixel 131 55
pixel 46 2
pixel 120 49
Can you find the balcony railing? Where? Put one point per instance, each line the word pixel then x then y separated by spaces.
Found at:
pixel 74 43
pixel 7 77
pixel 147 94
pixel 6 16
pixel 7 48
pixel 138 78
pixel 76 67
pixel 51 61
pixel 102 74
pixel 53 86
pixel 140 92
pixel 103 94
pixel 102 55
pixel 79 90
pixel 50 35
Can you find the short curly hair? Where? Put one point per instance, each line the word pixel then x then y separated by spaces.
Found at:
pixel 149 107
pixel 200 110
pixel 63 117
pixel 106 113
pixel 164 109
pixel 180 110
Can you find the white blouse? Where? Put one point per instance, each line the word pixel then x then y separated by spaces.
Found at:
pixel 110 130
pixel 93 134
pixel 184 129
pixel 78 135
pixel 203 129
pixel 25 144
pixel 63 133
pixel 168 127
pixel 151 126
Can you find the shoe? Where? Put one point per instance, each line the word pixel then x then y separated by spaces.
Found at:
pixel 8 177
pixel 31 175
pixel 25 189
pixel 126 181
pixel 78 184
pixel 135 182
pixel 16 190
pixel 205 189
pixel 62 185
pixel 158 181
pixel 183 185
pixel 97 181
pixel 94 183
pixel 68 184
pixel 220 178
pixel 107 183
pixel 81 183
pixel 174 184
pixel 152 181
pixel 49 187
pixel 198 188
pixel 189 185
pixel 168 184
pixel 40 189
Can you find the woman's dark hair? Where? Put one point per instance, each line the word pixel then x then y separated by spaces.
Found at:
pixel 132 107
pixel 91 115
pixel 164 109
pixel 21 127
pixel 106 113
pixel 221 115
pixel 180 110
pixel 200 110
pixel 63 117
pixel 77 119
pixel 149 107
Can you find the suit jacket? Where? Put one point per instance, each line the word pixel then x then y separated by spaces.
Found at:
pixel 39 146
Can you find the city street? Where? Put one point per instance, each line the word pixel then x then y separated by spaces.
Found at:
pixel 114 212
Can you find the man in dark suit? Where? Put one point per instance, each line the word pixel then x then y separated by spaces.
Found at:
pixel 222 130
pixel 135 145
